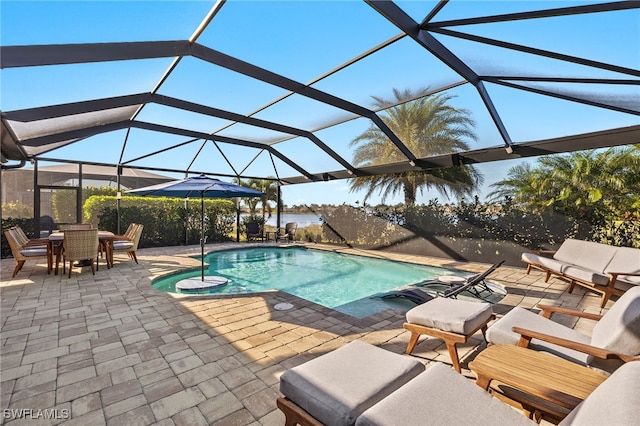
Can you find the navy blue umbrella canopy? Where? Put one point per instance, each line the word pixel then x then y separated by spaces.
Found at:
pixel 202 186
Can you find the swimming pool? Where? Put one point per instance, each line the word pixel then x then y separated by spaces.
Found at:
pixel 342 282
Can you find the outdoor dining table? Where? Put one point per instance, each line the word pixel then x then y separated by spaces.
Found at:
pixel 55 246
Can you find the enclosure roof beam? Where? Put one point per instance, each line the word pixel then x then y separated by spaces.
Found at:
pixel 602 139
pixel 399 18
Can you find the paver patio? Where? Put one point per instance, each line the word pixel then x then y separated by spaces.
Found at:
pixel 109 349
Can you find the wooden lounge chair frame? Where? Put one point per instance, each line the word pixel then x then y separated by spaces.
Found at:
pixel 547 311
pixel 450 339
pixel 295 415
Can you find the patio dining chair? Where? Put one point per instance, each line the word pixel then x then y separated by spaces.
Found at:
pixel 130 245
pixel 128 234
pixel 254 231
pixel 21 250
pixel 72 226
pixel 288 233
pixel 80 245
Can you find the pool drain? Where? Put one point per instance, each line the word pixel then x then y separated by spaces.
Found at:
pixel 283 306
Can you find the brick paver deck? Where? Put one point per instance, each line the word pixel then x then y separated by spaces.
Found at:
pixel 109 349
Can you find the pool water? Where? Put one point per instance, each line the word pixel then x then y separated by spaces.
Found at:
pixel 342 282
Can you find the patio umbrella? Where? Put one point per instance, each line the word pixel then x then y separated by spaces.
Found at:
pixel 198 185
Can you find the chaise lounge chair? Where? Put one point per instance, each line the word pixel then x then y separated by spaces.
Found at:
pixel 470 284
pixel 615 338
pixel 415 295
pixel 419 296
pixel 316 394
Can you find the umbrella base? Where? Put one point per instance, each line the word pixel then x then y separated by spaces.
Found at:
pixel 196 283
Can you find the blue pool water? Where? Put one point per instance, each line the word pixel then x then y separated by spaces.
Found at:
pixel 338 281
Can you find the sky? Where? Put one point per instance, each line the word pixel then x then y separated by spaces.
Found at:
pixel 302 40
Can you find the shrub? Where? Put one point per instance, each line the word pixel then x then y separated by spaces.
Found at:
pixel 165 219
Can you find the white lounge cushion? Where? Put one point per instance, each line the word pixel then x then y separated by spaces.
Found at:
pixel 31 252
pixel 456 316
pixel 586 254
pixel 588 275
pixel 440 396
pixel 546 262
pixel 569 251
pixel 619 328
pixel 626 259
pixel 500 333
pixel 122 245
pixel 615 402
pixel 337 387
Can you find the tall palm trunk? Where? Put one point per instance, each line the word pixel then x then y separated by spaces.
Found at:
pixel 409 192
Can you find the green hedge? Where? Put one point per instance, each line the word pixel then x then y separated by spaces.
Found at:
pixel 163 218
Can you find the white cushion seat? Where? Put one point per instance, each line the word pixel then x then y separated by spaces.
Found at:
pixel 614 402
pixel 451 320
pixel 337 387
pixel 453 315
pixel 441 397
pixel 627 259
pixel 122 245
pixel 500 333
pixel 30 252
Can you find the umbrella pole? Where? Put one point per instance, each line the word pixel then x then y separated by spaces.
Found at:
pixel 202 236
pixel 237 220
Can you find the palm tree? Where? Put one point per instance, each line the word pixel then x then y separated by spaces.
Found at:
pixel 428 126
pixel 594 185
pixel 270 189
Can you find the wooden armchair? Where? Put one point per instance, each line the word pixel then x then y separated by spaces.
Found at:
pixel 526 336
pixel 615 338
pixel 26 241
pixel 128 234
pixel 24 249
pixel 129 242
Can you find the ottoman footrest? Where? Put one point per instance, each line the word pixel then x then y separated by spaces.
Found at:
pixel 450 320
pixel 335 388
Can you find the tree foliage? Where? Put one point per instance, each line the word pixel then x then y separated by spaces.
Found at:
pixel 428 125
pixel 597 185
pixel 267 201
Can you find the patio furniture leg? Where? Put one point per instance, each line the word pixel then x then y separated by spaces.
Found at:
pixel 413 340
pixel 19 265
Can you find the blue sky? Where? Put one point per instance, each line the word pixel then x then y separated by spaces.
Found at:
pixel 302 40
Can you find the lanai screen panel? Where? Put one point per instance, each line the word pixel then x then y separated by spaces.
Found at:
pixel 290 84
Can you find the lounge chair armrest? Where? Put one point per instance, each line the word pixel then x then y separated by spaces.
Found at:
pixel 526 336
pixel 121 238
pixel 548 310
